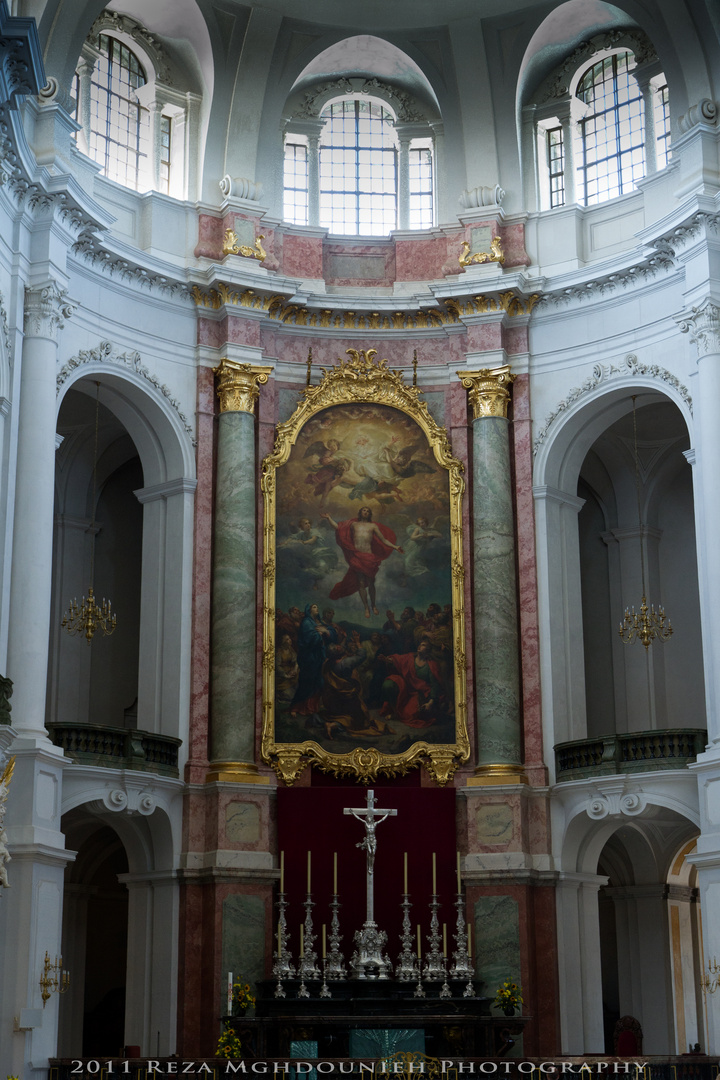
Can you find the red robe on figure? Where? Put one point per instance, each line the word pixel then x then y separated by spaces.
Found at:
pixel 359 562
pixel 413 690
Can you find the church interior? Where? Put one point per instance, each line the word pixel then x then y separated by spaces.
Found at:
pixel 356 512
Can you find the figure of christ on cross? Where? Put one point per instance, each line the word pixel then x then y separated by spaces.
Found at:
pixel 371 818
pixel 364 544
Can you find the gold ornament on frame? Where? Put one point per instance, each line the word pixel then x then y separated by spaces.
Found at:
pixel 363 629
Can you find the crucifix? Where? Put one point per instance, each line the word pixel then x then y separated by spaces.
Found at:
pixel 370 962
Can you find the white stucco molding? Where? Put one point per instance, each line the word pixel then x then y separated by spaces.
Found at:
pixel 183 485
pixel 601 374
pixel 106 354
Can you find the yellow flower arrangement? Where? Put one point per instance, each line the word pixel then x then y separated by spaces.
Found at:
pixel 229 1046
pixel 508 995
pixel 242 998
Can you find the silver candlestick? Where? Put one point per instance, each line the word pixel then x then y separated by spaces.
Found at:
pixel 283 966
pixel 445 992
pixel 335 967
pixel 307 964
pixel 407 966
pixel 324 989
pixel 462 967
pixel 434 969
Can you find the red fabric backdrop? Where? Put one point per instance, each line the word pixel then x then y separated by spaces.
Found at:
pixel 312 819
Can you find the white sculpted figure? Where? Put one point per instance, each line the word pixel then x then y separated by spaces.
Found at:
pixel 4 853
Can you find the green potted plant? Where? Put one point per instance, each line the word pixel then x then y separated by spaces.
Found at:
pixel 508 997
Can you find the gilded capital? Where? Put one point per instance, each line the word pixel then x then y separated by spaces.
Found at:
pixel 489 393
pixel 238 385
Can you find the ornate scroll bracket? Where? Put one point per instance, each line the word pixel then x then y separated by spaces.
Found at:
pixel 495 254
pixel 238 385
pixel 612 801
pixel 232 246
pixel 489 393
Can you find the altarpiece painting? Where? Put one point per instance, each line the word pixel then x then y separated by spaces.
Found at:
pixel 364 651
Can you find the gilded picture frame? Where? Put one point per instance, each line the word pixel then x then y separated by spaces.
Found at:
pixel 366 689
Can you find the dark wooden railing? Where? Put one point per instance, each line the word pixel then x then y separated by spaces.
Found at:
pixel 640 751
pixel 117 748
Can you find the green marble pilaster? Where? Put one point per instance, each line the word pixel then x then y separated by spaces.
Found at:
pixel 497 661
pixel 233 629
pixel 243 939
pixel 497 668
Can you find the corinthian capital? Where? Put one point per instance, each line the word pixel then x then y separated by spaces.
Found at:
pixel 489 394
pixel 46 309
pixel 703 326
pixel 238 385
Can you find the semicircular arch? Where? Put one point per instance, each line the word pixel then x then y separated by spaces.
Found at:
pixel 154 424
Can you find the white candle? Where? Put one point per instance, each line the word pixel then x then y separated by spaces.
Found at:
pixel 434 876
pixel 418 940
pixel 324 947
pixel 405 879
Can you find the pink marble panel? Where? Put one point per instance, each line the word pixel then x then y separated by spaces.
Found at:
pixel 210 236
pixel 212 332
pixel 457 402
pixel 202 573
pixel 527 581
pixel 348 252
pixel 515 339
pixel 482 337
pixel 422 259
pixel 513 237
pixel 242 331
pixel 303 256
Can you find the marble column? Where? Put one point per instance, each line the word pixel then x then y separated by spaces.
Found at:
pixel 703 326
pixel 46 308
pixel 497 664
pixel 233 631
pixel 30 924
pixel 702 323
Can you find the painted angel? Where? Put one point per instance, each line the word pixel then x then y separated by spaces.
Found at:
pixel 420 534
pixel 327 472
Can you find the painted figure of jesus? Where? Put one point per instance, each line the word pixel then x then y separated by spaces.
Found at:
pixel 365 543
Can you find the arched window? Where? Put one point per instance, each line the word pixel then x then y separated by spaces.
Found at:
pixel 119 126
pixel 140 130
pixel 612 132
pixel 601 126
pixel 357 170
